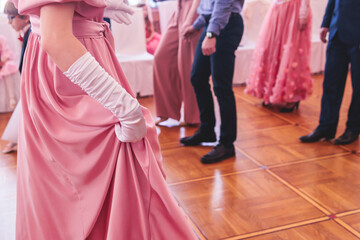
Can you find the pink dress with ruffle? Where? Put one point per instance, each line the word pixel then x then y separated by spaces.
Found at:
pixel 76 180
pixel 280 68
pixel 10 66
pixel 9 78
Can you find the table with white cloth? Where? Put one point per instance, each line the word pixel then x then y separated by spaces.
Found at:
pixel 254 13
pixel 166 10
pixel 130 49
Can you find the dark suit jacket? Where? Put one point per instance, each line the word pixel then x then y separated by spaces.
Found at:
pixel 23 48
pixel 347 20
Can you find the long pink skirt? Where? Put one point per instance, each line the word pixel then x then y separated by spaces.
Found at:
pixel 280 68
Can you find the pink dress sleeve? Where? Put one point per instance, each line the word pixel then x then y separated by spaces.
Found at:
pixel 32 7
pixel 304 8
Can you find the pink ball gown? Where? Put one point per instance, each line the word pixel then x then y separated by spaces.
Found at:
pixel 9 78
pixel 76 180
pixel 280 71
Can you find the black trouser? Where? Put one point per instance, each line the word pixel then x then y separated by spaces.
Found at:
pixel 220 66
pixel 338 57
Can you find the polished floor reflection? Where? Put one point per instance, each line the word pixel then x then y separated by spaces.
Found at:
pixel 275 187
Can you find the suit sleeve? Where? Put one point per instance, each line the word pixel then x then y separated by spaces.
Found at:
pixel 328 14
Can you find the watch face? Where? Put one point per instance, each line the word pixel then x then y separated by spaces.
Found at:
pixel 209 35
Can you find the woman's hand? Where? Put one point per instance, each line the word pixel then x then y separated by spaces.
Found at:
pixel 303 23
pixel 188 32
pixel 119 11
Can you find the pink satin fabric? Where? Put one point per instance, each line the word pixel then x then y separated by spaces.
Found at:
pixel 172 69
pixel 280 68
pixel 76 180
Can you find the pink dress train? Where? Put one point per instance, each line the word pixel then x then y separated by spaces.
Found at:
pixel 280 68
pixel 76 180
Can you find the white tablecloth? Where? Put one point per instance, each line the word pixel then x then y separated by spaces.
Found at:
pixel 166 10
pixel 130 48
pixel 139 72
pixel 253 15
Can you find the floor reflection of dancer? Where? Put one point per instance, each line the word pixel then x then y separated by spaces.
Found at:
pixel 21 24
pixel 89 161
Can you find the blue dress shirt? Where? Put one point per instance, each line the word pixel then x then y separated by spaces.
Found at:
pixel 220 11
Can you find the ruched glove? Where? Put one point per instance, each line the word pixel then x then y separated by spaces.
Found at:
pixel 118 10
pixel 87 73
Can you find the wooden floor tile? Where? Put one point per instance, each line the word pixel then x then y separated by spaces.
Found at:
pixel 283 153
pixel 327 230
pixel 260 123
pixel 148 102
pixel 182 164
pixel 242 203
pixel 353 221
pixel 249 111
pixel 274 136
pixel 332 182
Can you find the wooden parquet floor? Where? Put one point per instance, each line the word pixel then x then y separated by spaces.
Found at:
pixel 275 187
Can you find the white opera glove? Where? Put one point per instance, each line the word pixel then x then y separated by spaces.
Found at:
pixel 119 11
pixel 87 73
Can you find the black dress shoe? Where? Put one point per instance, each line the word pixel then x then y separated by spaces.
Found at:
pixel 218 153
pixel 346 138
pixel 316 136
pixel 199 137
pixel 291 108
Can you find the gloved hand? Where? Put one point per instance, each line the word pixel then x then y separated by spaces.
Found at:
pixel 87 73
pixel 118 10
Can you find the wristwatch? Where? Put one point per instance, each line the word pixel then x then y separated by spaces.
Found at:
pixel 210 35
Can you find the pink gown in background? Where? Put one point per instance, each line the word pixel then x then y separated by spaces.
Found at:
pixel 9 78
pixel 153 43
pixel 76 180
pixel 280 68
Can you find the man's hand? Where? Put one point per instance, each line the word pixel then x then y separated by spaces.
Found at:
pixel 188 32
pixel 303 23
pixel 323 33
pixel 208 46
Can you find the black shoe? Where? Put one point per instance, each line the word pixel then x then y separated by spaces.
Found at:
pixel 290 109
pixel 346 138
pixel 199 137
pixel 218 153
pixel 316 136
pixel 266 104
